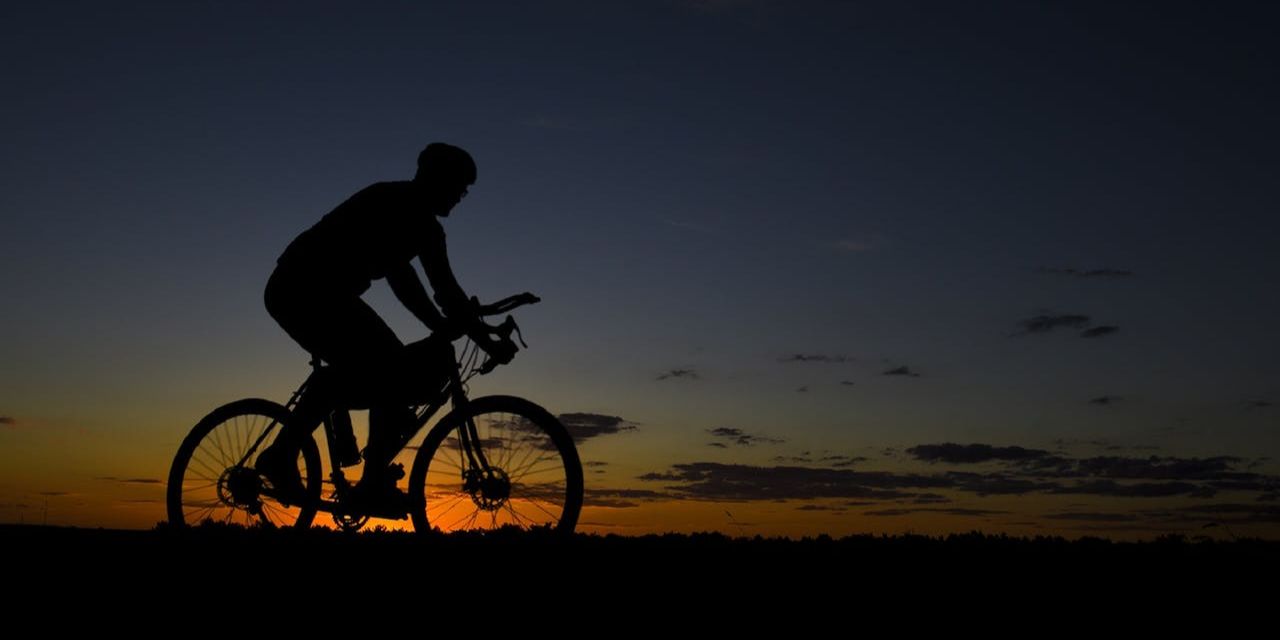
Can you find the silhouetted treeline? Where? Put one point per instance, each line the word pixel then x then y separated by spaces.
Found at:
pixel 677 568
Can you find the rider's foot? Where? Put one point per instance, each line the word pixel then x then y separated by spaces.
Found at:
pixel 279 464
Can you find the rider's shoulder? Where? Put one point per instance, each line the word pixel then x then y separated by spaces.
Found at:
pixel 389 189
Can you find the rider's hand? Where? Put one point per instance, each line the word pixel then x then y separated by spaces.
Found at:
pixel 502 351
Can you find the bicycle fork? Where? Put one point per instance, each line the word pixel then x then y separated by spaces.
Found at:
pixel 489 486
pixel 479 479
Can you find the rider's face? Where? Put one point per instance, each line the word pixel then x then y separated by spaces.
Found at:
pixel 448 197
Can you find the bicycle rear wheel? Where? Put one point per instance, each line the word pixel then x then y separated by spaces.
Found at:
pixel 533 479
pixel 213 479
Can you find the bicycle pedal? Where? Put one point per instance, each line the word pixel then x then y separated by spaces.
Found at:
pixel 350 460
pixel 386 503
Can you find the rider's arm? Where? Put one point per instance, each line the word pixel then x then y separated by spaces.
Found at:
pixel 453 301
pixel 449 295
pixel 408 288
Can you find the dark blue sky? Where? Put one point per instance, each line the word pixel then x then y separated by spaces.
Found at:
pixel 707 186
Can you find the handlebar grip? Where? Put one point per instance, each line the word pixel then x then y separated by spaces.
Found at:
pixel 507 304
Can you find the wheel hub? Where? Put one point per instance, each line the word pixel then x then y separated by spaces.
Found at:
pixel 491 490
pixel 240 487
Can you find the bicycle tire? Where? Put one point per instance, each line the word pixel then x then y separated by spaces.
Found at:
pixel 528 449
pixel 207 484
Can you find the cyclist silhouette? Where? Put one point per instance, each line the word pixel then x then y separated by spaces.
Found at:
pixel 314 294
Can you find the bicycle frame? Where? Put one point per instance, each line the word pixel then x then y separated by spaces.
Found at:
pixel 455 393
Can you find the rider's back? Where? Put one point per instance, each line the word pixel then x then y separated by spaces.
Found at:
pixel 359 241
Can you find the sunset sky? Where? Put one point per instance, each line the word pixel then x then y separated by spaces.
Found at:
pixel 806 267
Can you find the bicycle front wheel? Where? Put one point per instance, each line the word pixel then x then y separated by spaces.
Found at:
pixel 522 470
pixel 212 478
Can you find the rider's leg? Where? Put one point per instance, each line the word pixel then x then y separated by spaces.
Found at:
pixel 340 330
pixel 279 460
pixel 365 355
pixel 304 313
pixel 387 424
pixel 414 374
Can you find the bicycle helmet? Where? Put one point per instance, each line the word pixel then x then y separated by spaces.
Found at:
pixel 447 164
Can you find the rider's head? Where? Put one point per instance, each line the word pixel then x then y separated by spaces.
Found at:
pixel 445 171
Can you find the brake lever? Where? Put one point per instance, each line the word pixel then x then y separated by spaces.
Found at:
pixel 509 326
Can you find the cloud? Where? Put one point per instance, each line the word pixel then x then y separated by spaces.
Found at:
pixel 742 438
pixel 594 463
pixel 802 389
pixel 130 480
pixel 1158 468
pixel 847 383
pixel 736 482
pixel 1140 490
pixel 819 358
pixel 1098 332
pixel 1260 404
pixel 972 453
pixel 583 426
pixel 1043 464
pixel 1047 323
pixel 6 420
pixel 1025 471
pixel 726 432
pixel 620 498
pixel 818 507
pixel 54 494
pixel 1087 273
pixel 953 511
pixel 1106 400
pixel 843 461
pixel 678 373
pixel 902 371
pixel 793 459
pixel 1067 442
pixel 1231 513
pixel 610 503
pixel 1245 485
pixel 997 484
pixel 931 498
pixel 1095 517
pixel 1103 443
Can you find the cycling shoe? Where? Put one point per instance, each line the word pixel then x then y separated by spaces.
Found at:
pixel 279 465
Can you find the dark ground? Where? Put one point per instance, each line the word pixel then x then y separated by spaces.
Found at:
pixel 697 575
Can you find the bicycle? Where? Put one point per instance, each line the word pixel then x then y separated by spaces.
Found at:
pixel 491 462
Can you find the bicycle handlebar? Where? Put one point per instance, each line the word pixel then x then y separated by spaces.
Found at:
pixel 504 305
pixel 503 330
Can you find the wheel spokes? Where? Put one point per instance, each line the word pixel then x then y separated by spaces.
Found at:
pixel 527 485
pixel 216 482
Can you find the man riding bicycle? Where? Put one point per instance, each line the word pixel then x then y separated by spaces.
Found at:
pixel 314 294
